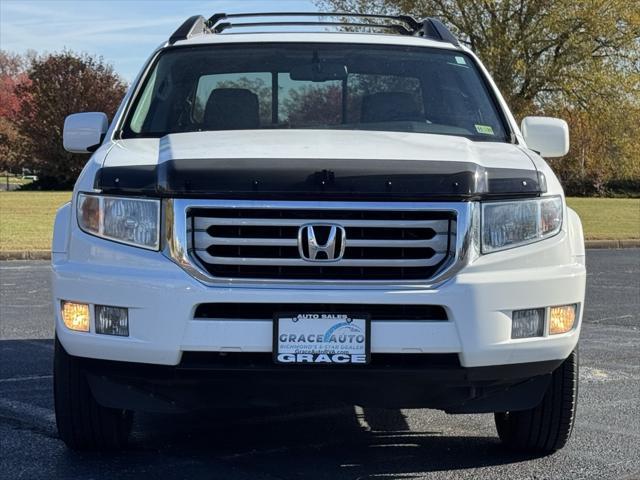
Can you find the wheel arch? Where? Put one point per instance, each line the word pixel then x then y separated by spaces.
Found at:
pixel 576 235
pixel 61 230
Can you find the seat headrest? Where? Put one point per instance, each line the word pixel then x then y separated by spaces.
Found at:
pixel 389 107
pixel 232 109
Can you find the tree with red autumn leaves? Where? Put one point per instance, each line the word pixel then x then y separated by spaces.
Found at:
pixel 59 85
pixel 12 75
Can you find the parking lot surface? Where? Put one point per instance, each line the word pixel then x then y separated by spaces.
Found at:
pixel 328 443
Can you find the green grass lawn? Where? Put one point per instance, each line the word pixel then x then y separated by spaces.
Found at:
pixel 26 218
pixel 608 218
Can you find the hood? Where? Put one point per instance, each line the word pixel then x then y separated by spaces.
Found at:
pixel 323 164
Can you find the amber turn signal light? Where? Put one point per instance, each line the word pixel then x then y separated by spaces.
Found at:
pixel 75 316
pixel 561 319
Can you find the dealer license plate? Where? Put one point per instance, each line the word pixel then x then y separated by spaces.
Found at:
pixel 321 338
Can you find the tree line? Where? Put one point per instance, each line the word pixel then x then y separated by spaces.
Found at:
pixel 575 60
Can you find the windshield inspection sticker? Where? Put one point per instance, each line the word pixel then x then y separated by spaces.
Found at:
pixel 461 61
pixel 484 129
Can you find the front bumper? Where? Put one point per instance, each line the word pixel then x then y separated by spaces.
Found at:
pixel 162 299
pixel 203 381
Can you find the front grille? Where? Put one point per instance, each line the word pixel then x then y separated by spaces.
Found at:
pixel 262 243
pixel 266 311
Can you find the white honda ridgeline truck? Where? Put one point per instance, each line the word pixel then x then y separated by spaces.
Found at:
pixel 277 218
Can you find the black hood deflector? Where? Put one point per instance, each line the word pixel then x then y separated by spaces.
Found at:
pixel 320 179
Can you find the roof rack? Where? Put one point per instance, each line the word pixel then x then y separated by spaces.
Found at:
pixel 430 27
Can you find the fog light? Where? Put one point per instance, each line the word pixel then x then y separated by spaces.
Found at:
pixel 75 316
pixel 527 323
pixel 561 319
pixel 112 320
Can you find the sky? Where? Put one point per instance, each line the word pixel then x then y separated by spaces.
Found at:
pixel 123 32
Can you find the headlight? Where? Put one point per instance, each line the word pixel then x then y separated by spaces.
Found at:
pixel 134 221
pixel 510 224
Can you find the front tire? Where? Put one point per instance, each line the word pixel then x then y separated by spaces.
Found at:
pixel 83 424
pixel 547 427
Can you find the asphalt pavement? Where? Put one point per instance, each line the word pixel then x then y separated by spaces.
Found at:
pixel 331 443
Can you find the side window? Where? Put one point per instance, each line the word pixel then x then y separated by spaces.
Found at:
pixel 139 116
pixel 258 83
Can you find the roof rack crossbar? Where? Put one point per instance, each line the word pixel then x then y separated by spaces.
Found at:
pixel 431 28
pixel 407 19
pixel 402 30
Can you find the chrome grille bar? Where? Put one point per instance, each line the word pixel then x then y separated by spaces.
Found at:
pixel 291 262
pixel 203 238
pixel 203 223
pixel 439 242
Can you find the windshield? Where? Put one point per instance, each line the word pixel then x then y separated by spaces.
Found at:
pixel 321 86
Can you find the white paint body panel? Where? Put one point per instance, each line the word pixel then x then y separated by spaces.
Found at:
pixel 162 297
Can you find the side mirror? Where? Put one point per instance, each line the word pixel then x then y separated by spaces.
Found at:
pixel 546 135
pixel 84 132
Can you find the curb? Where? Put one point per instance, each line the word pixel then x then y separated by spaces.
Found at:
pixel 630 243
pixel 25 255
pixel 46 254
